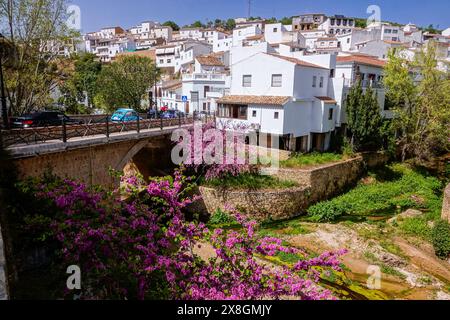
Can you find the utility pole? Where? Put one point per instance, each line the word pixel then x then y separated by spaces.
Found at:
pixel 249 8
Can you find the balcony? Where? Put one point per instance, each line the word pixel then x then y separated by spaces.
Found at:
pixel 217 92
pixel 204 77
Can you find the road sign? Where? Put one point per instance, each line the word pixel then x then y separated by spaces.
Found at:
pixel 184 98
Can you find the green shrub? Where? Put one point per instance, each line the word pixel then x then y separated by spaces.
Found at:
pixel 409 190
pixel 327 211
pixel 316 158
pixel 221 218
pixel 250 181
pixel 441 239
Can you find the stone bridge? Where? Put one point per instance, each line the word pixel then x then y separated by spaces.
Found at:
pixel 90 158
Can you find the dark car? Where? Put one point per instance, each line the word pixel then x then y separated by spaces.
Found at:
pixel 172 114
pixel 42 119
pixel 153 114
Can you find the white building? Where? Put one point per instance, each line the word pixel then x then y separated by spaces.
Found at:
pixel 179 56
pixel 338 24
pixel 205 85
pixel 349 69
pixel 308 39
pixel 283 97
pixel 240 34
pixel 446 32
pixel 279 33
pixel 327 45
pixel 307 22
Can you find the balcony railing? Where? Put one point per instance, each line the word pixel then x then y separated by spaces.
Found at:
pixel 204 76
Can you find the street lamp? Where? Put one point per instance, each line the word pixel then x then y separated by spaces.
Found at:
pixel 2 89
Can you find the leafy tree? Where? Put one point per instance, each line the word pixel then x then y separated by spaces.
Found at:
pixel 272 20
pixel 35 30
pixel 230 24
pixel 197 24
pixel 81 85
pixel 125 82
pixel 419 90
pixel 431 29
pixel 218 23
pixel 360 23
pixel 286 21
pixel 364 118
pixel 171 24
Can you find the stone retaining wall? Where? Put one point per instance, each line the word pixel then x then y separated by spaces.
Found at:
pixel 259 204
pixel 316 184
pixel 446 205
pixel 328 180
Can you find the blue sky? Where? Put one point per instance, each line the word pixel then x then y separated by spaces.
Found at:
pixel 126 13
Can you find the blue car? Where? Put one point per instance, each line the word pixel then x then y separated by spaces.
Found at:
pixel 125 115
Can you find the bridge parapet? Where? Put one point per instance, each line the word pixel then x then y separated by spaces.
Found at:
pixel 94 127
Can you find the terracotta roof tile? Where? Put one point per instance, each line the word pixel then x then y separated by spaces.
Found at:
pixel 255 37
pixel 209 60
pixel 296 61
pixel 327 100
pixel 141 53
pixel 264 100
pixel 172 84
pixel 367 60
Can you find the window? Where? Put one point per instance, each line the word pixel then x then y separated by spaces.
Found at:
pixel 330 114
pixel 254 114
pixel 277 80
pixel 275 29
pixel 332 73
pixel 277 115
pixel 233 111
pixel 321 82
pixel 348 40
pixel 387 31
pixel 247 81
pixel 161 60
pixel 394 31
pixel 314 84
pixel 169 60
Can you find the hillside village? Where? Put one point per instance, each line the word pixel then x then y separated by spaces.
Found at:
pixel 290 80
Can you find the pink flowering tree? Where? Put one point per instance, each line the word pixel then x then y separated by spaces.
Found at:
pixel 217 151
pixel 144 248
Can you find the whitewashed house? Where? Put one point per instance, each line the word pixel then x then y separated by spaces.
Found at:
pixel 308 39
pixel 240 34
pixel 279 33
pixel 284 97
pixel 208 82
pixel 307 22
pixel 338 24
pixel 327 45
pixel 351 68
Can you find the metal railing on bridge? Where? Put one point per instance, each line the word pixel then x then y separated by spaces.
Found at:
pixel 93 126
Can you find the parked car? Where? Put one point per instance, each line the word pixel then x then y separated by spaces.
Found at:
pixel 42 119
pixel 172 114
pixel 125 115
pixel 153 114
